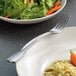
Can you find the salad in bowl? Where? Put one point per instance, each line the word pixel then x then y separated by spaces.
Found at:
pixel 30 10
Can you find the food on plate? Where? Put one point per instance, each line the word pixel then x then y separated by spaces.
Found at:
pixel 73 57
pixel 62 67
pixel 28 9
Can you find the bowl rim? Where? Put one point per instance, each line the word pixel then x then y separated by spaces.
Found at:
pixel 23 20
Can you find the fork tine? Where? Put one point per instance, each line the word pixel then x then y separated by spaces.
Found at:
pixel 56 25
pixel 61 23
pixel 60 20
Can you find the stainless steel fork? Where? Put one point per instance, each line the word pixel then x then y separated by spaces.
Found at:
pixel 59 27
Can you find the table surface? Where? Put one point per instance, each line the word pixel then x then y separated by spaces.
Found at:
pixel 13 37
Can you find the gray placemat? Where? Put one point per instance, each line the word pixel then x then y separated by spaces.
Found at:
pixel 13 37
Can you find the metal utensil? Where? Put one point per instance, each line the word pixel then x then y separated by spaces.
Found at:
pixel 61 24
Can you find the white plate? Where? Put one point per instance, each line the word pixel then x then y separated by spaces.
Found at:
pixel 33 63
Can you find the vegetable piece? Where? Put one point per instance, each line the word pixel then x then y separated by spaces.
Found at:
pixel 53 10
pixel 49 3
pixel 33 11
pixel 73 57
pixel 7 16
pixel 15 9
pixel 30 2
pixel 44 6
pixel 2 3
pixel 26 2
pixel 56 4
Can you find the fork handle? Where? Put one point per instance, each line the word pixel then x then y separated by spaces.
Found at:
pixel 17 56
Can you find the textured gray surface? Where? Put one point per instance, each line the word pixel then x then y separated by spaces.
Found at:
pixel 13 37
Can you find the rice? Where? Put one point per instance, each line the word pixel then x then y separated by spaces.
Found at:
pixel 60 68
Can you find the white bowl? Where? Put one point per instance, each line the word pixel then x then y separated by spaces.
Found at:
pixel 31 21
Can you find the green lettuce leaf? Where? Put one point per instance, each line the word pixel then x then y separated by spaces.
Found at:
pixel 2 3
pixel 15 9
pixel 33 11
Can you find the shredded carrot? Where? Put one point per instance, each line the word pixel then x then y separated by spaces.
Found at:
pixel 73 58
pixel 30 2
pixel 56 4
pixel 53 10
pixel 7 16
